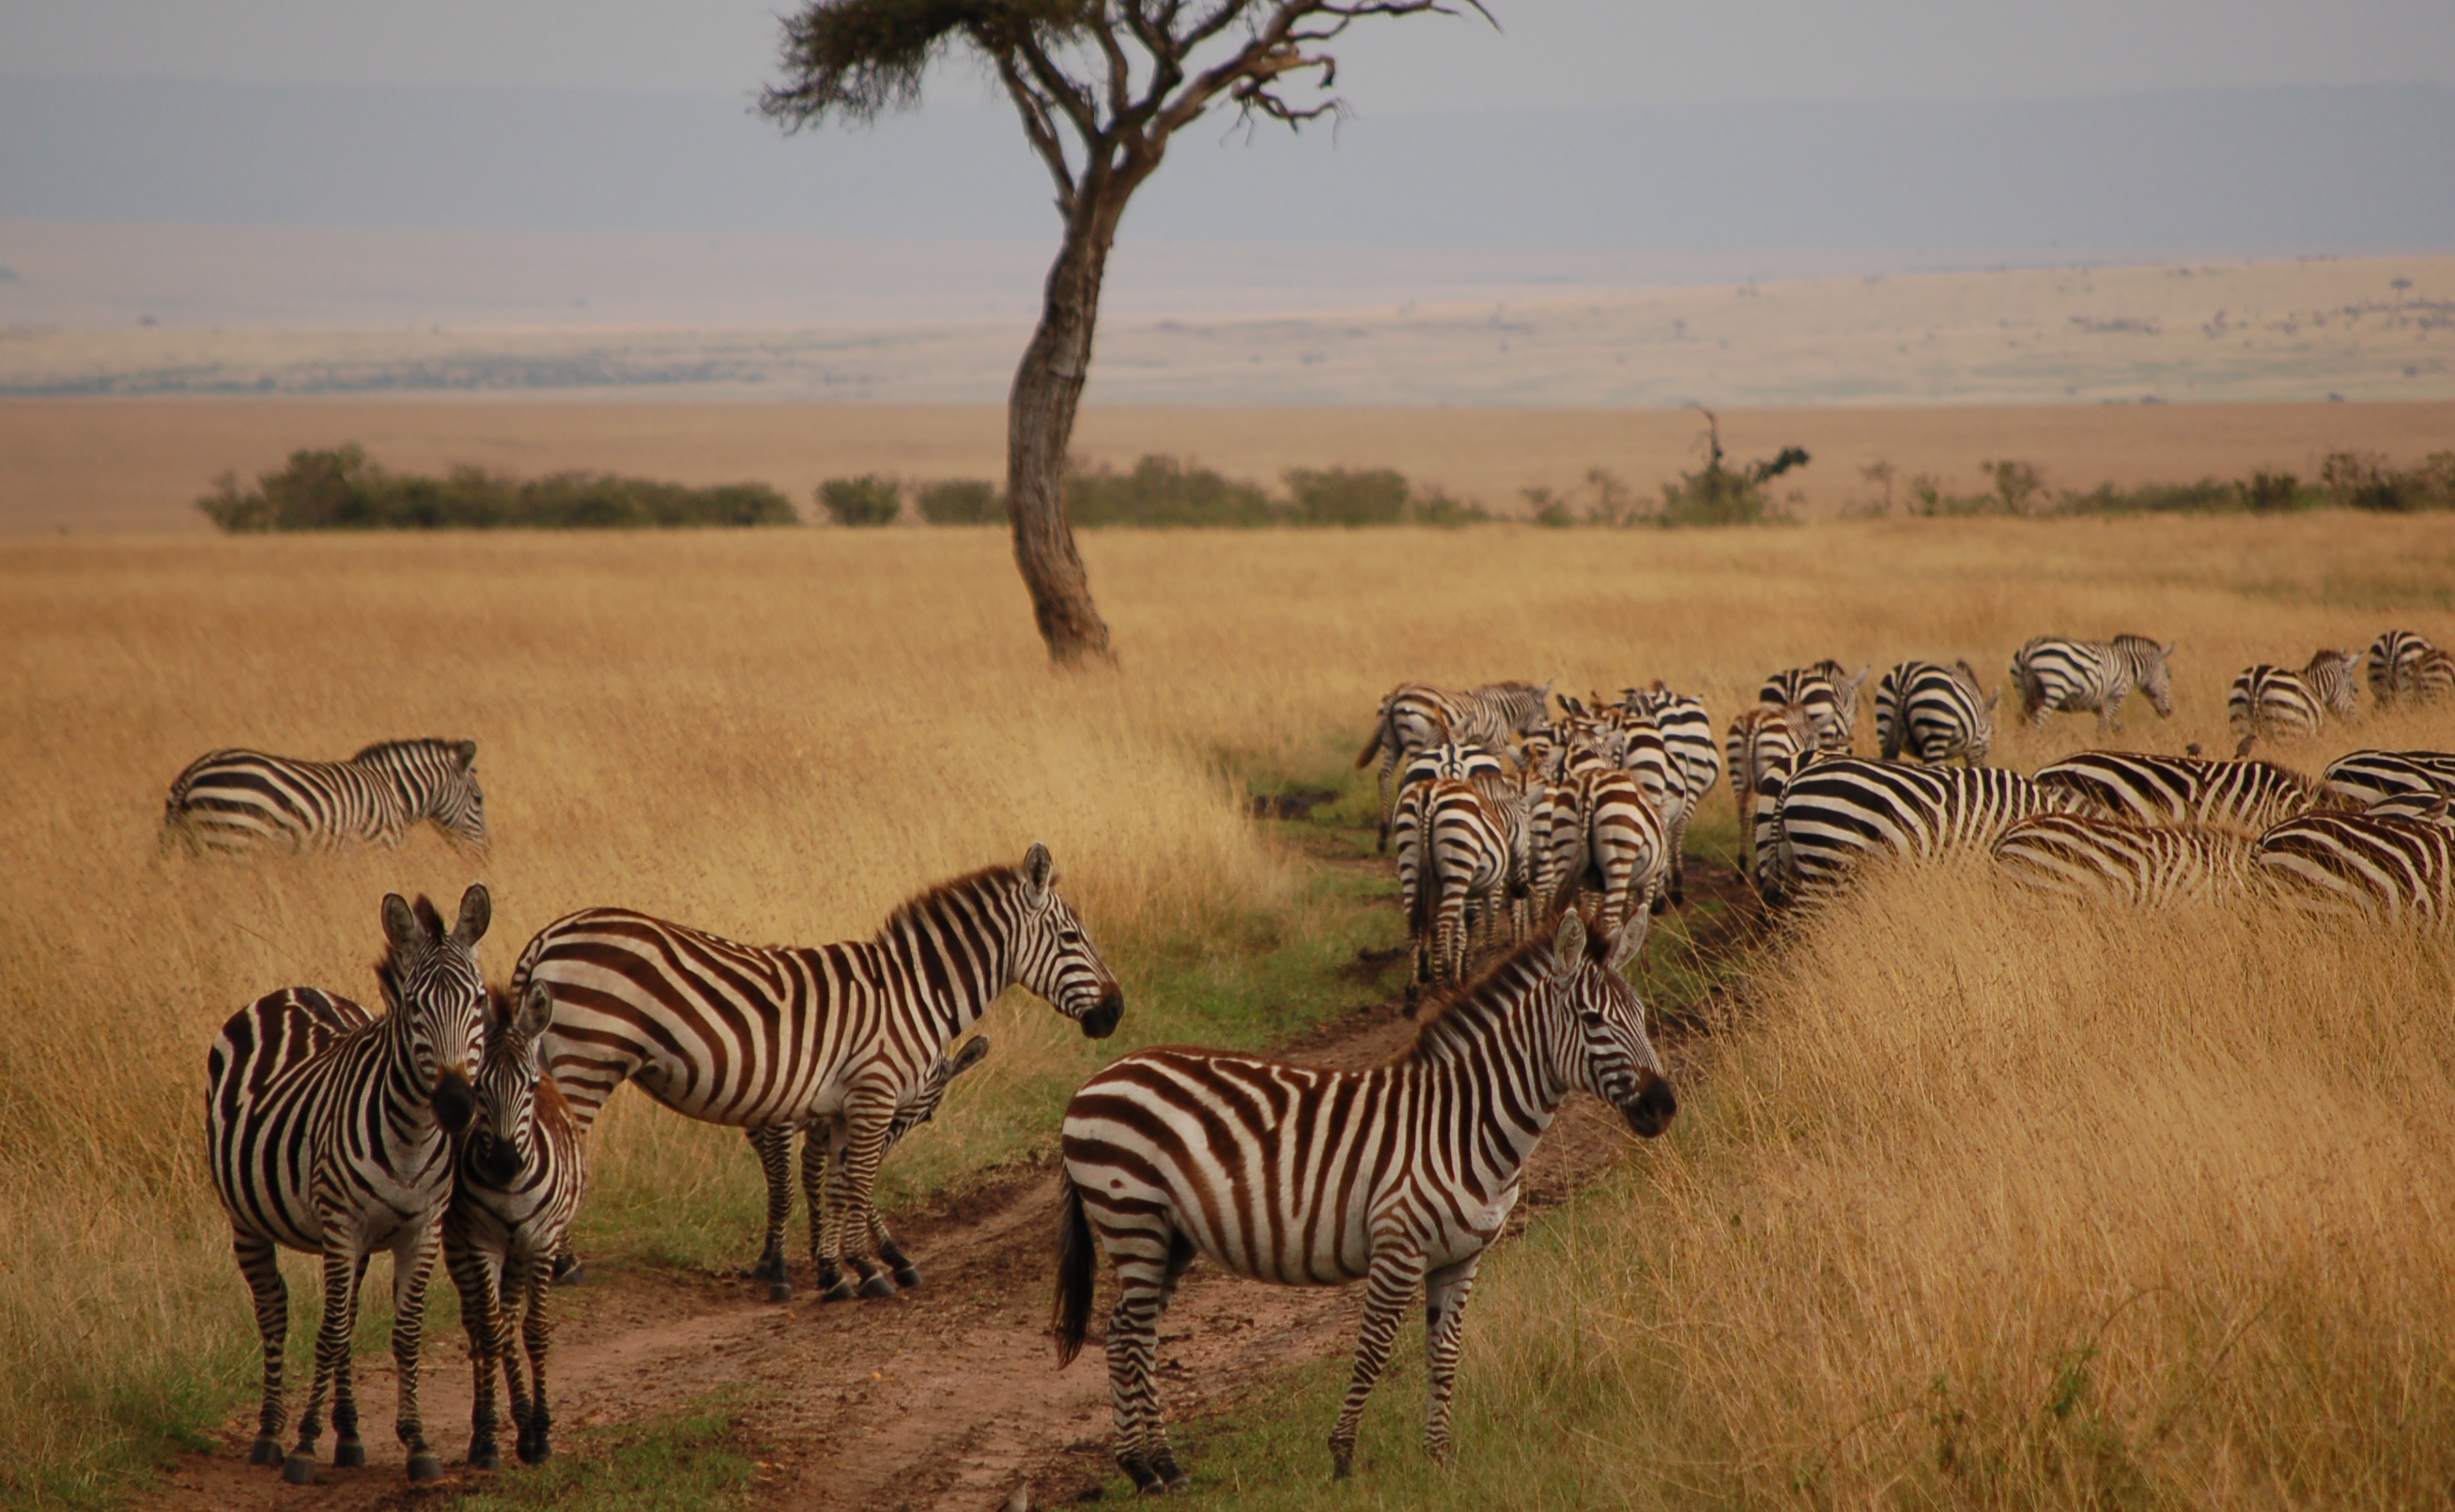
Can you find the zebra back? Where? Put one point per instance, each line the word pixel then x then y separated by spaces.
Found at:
pixel 1935 713
pixel 2140 864
pixel 2269 703
pixel 2247 795
pixel 2401 870
pixel 1841 811
pixel 2362 778
pixel 2390 662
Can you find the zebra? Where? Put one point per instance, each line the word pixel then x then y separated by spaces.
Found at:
pixel 2397 869
pixel 522 1169
pixel 2069 676
pixel 1843 810
pixel 1688 735
pixel 1828 694
pixel 1454 870
pixel 1935 713
pixel 2432 676
pixel 2146 865
pixel 1459 763
pixel 328 1131
pixel 240 800
pixel 831 1038
pixel 2389 664
pixel 1397 1176
pixel 2362 778
pixel 1607 841
pixel 2247 795
pixel 1765 743
pixel 2275 703
pixel 1414 716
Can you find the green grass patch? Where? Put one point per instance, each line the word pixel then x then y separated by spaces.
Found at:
pixel 692 1462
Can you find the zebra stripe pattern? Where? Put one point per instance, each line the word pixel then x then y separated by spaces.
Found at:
pixel 244 800
pixel 328 1131
pixel 1765 745
pixel 2365 778
pixel 522 1169
pixel 2142 864
pixel 1610 849
pixel 2396 869
pixel 2433 677
pixel 1842 812
pixel 2247 795
pixel 2391 661
pixel 1398 1177
pixel 1415 716
pixel 2274 703
pixel 1935 714
pixel 2070 676
pixel 833 1037
pixel 1455 872
pixel 1828 695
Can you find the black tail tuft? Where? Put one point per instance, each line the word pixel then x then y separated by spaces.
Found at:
pixel 1077 1260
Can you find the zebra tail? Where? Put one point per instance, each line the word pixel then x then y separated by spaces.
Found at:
pixel 1381 732
pixel 1077 1260
pixel 1427 874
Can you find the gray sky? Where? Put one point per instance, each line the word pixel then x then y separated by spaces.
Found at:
pixel 1553 52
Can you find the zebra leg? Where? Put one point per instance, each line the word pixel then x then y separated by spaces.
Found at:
pixel 1445 1294
pixel 1146 1277
pixel 907 1274
pixel 867 1118
pixel 481 1314
pixel 774 1143
pixel 259 1261
pixel 537 1333
pixel 822 1161
pixel 1388 1288
pixel 348 1448
pixel 412 1262
pixel 1389 765
pixel 342 1272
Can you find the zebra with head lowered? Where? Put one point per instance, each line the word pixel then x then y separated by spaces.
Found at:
pixel 2276 704
pixel 2247 795
pixel 1935 713
pixel 1827 695
pixel 330 1131
pixel 1398 1177
pixel 2400 868
pixel 1415 716
pixel 2391 664
pixel 242 800
pixel 2364 779
pixel 2053 674
pixel 1842 812
pixel 830 1039
pixel 2142 864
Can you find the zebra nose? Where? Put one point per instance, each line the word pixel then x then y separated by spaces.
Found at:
pixel 456 1102
pixel 1102 1020
pixel 1653 1109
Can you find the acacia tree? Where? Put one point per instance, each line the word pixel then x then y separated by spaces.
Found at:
pixel 1101 86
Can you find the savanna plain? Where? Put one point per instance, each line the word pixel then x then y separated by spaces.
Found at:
pixel 1974 1199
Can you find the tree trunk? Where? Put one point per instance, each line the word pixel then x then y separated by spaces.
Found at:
pixel 1040 426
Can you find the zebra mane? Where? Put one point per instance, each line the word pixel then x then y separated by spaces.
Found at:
pixel 386 748
pixel 931 899
pixel 1446 1017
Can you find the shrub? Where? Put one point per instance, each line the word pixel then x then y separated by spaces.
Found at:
pixel 1437 508
pixel 1164 491
pixel 2206 497
pixel 1341 497
pixel 1546 508
pixel 340 489
pixel 1716 495
pixel 960 501
pixel 2266 492
pixel 2365 480
pixel 865 500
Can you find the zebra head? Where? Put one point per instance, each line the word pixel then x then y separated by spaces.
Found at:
pixel 503 1137
pixel 460 804
pixel 438 998
pixel 1529 707
pixel 2148 668
pixel 1981 724
pixel 1610 1055
pixel 923 1105
pixel 1054 957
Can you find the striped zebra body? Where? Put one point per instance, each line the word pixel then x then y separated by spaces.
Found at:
pixel 1415 716
pixel 328 1131
pixel 2365 778
pixel 2390 664
pixel 2246 796
pixel 1454 869
pixel 2433 677
pixel 832 1038
pixel 1841 811
pixel 1686 732
pixel 2272 704
pixel 245 800
pixel 1459 763
pixel 1764 746
pixel 2395 869
pixel 522 1169
pixel 1935 713
pixel 2142 864
pixel 2071 676
pixel 1826 694
pixel 1610 849
pixel 1398 1177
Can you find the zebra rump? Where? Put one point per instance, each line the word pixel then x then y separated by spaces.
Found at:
pixel 2142 864
pixel 1842 811
pixel 1935 713
pixel 2391 661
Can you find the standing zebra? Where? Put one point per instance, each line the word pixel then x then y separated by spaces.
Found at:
pixel 2432 678
pixel 1414 716
pixel 2247 795
pixel 2142 864
pixel 1842 811
pixel 1935 714
pixel 2068 676
pixel 2273 703
pixel 1687 733
pixel 523 1167
pixel 240 800
pixel 2390 664
pixel 2397 869
pixel 328 1131
pixel 2365 778
pixel 1828 695
pixel 832 1038
pixel 1609 843
pixel 1765 744
pixel 1398 1177
pixel 1454 870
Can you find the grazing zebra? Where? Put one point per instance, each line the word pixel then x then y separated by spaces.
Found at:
pixel 1414 716
pixel 1608 843
pixel 1828 694
pixel 1765 745
pixel 1841 811
pixel 2274 703
pixel 240 800
pixel 2391 661
pixel 2143 865
pixel 2068 676
pixel 330 1131
pixel 832 1038
pixel 523 1166
pixel 1398 1177
pixel 1935 713
pixel 2362 778
pixel 2397 869
pixel 1454 870
pixel 2247 795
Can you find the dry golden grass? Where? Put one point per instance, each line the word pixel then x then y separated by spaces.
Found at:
pixel 776 734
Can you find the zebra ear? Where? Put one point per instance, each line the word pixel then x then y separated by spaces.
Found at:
pixel 2167 648
pixel 467 752
pixel 1994 699
pixel 1039 871
pixel 400 924
pixel 1629 939
pixel 1568 948
pixel 975 1051
pixel 477 912
pixel 536 1012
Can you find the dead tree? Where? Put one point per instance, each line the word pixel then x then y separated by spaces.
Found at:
pixel 1101 86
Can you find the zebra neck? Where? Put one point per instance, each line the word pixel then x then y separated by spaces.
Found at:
pixel 1488 1064
pixel 949 963
pixel 407 1109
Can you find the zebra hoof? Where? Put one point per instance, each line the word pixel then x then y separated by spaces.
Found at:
pixel 425 1467
pixel 908 1277
pixel 300 1469
pixel 1170 1476
pixel 770 1268
pixel 1147 1479
pixel 348 1454
pixel 267 1451
pixel 780 1291
pixel 485 1458
pixel 840 1292
pixel 535 1449
pixel 878 1286
pixel 573 1274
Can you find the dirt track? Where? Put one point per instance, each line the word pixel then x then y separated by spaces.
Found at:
pixel 943 1398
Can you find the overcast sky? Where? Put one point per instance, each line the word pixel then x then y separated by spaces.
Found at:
pixel 1552 53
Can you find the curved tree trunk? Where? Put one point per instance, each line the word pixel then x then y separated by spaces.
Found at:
pixel 1040 426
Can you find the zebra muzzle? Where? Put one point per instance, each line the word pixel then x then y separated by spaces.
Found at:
pixel 1653 1109
pixel 456 1102
pixel 1102 1020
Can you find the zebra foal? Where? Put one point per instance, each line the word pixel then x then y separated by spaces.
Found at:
pixel 330 1131
pixel 2073 676
pixel 1305 1175
pixel 243 800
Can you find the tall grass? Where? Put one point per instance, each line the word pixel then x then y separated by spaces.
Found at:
pixel 777 737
